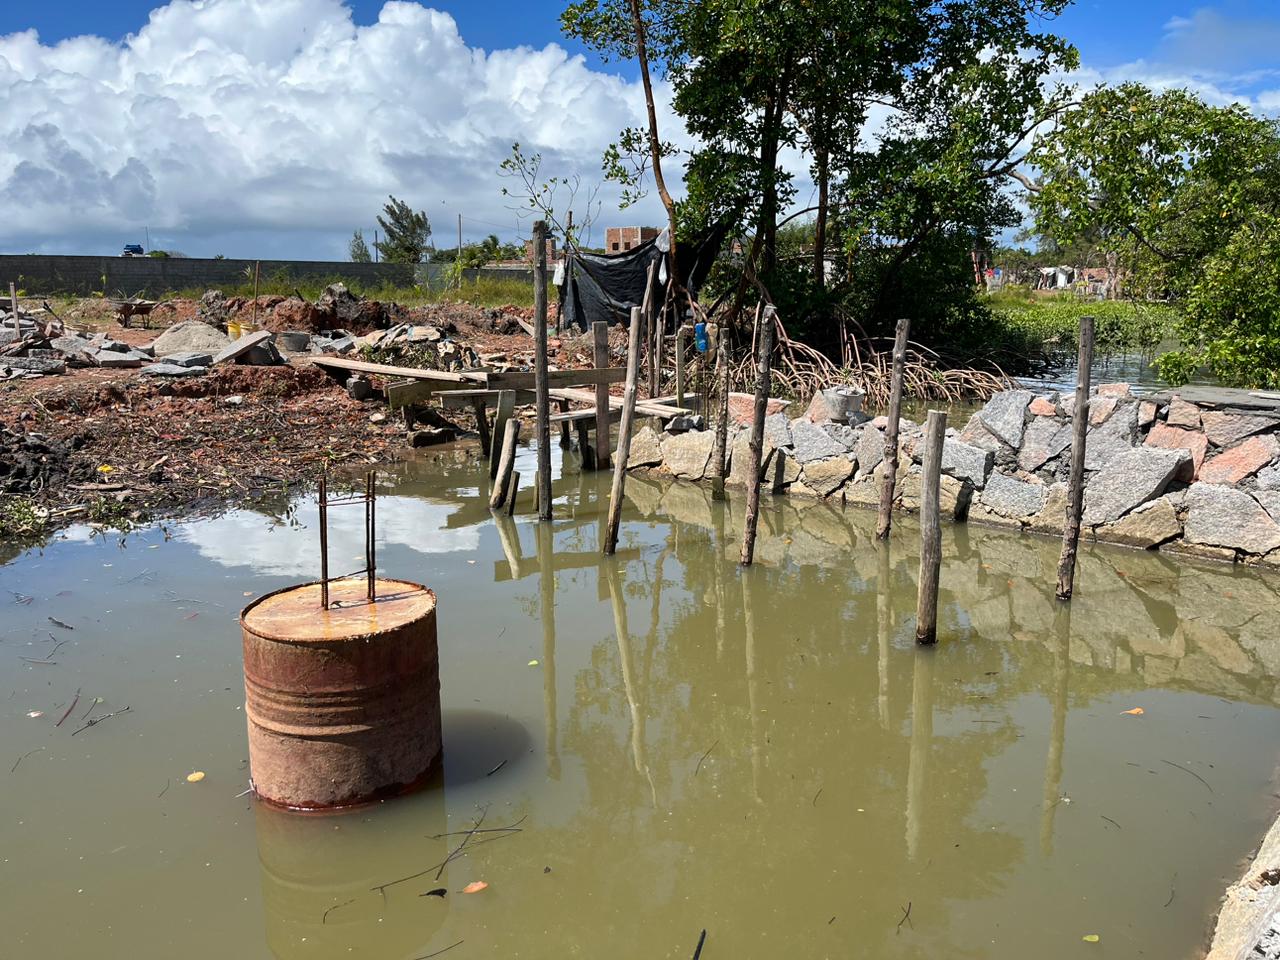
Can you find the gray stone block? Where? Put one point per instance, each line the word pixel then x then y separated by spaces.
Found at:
pixel 1118 434
pixel 1044 439
pixel 1005 415
pixel 1130 478
pixel 1219 516
pixel 1015 499
pixel 174 370
pixel 967 462
pixel 810 442
pixel 190 359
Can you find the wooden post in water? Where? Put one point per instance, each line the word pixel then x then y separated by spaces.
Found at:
pixel 720 448
pixel 482 423
pixel 634 346
pixel 600 357
pixel 501 415
pixel 930 529
pixel 890 466
pixel 585 449
pixel 542 397
pixel 1075 481
pixel 756 447
pixel 506 463
pixel 679 366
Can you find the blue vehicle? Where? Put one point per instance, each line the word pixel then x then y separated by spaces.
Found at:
pixel 133 250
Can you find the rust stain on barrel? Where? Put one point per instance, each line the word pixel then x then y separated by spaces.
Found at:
pixel 343 705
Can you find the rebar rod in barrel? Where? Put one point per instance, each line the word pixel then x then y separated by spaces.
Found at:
pixel 371 530
pixel 324 542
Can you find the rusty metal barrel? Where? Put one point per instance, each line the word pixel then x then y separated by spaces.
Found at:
pixel 343 704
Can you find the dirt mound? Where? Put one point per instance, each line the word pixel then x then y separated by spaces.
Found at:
pixel 32 462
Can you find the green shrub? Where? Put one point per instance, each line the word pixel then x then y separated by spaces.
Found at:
pixel 1055 321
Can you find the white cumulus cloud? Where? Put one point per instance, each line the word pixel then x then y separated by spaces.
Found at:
pixel 282 119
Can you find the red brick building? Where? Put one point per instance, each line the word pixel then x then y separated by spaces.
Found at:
pixel 621 239
pixel 551 250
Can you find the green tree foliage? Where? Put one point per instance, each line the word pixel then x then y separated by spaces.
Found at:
pixel 358 249
pixel 406 232
pixel 1191 194
pixel 913 113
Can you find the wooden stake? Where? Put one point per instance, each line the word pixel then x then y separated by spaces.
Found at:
pixel 566 438
pixel 679 366
pixel 756 446
pixel 585 451
pixel 1075 480
pixel 542 399
pixel 600 357
pixel 482 421
pixel 13 302
pixel 257 266
pixel 646 310
pixel 890 465
pixel 506 462
pixel 501 415
pixel 720 449
pixel 624 433
pixel 930 529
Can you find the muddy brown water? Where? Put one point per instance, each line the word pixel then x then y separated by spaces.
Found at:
pixel 765 755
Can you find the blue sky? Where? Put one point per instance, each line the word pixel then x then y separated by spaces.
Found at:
pixel 266 128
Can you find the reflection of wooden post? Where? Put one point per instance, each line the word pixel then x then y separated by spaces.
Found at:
pixel 756 448
pixel 502 413
pixel 624 434
pixel 600 357
pixel 482 422
pixel 930 529
pixel 884 627
pixel 890 466
pixel 509 539
pixel 921 740
pixel 547 602
pixel 749 650
pixel 513 489
pixel 1058 728
pixel 506 461
pixel 542 396
pixel 1075 480
pixel 720 449
pixel 623 633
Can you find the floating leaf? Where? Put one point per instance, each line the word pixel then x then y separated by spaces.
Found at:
pixel 1135 712
pixel 1091 938
pixel 475 886
pixel 195 776
pixel 35 713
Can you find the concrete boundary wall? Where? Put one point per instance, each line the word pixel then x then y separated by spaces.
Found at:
pixel 38 274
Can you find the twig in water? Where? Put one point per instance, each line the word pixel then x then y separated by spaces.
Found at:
pixel 58 623
pixel 702 938
pixel 23 757
pixel 45 662
pixel 1192 772
pixel 496 769
pixel 427 956
pixel 439 868
pixel 704 756
pixel 1109 820
pixel 325 919
pixel 70 708
pixel 97 720
pixel 513 828
pixel 247 790
pixel 817 795
pixel 1172 890
pixel 167 781
pixel 906 918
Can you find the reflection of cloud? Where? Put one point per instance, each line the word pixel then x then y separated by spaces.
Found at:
pixel 246 539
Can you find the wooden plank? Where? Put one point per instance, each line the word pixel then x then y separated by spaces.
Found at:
pixel 600 357
pixel 463 399
pixel 406 392
pixel 506 463
pixel 647 408
pixel 506 407
pixel 557 378
pixel 573 416
pixel 409 373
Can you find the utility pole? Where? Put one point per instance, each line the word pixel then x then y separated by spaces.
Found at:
pixel 459 251
pixel 375 246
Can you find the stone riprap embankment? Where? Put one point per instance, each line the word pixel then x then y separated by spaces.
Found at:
pixel 1195 470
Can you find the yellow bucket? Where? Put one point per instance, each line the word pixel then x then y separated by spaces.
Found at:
pixel 233 329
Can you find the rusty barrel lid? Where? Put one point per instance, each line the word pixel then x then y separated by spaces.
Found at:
pixel 293 614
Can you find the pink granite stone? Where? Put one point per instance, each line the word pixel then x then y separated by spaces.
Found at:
pixel 1172 438
pixel 1043 407
pixel 1241 461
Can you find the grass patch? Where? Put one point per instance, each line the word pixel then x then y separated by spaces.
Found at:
pixel 1052 323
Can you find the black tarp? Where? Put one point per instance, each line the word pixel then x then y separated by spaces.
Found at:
pixel 605 287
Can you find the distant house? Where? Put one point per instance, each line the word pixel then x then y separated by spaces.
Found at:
pixel 621 239
pixel 1056 278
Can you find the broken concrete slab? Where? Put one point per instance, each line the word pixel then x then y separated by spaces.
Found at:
pixel 164 369
pixel 238 348
pixel 190 359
